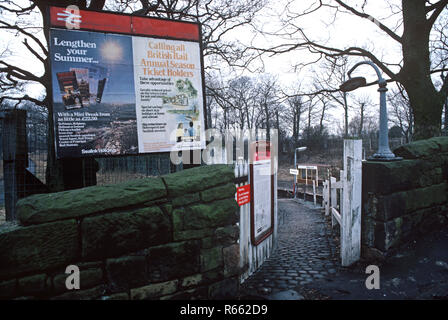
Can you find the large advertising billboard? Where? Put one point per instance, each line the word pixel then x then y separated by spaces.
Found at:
pixel 125 85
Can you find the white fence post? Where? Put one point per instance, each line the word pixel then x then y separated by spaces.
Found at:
pixel 333 198
pixel 351 204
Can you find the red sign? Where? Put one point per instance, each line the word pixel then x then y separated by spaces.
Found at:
pixel 262 151
pixel 113 22
pixel 243 194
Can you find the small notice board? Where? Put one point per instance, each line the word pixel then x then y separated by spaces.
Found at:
pixel 243 195
pixel 262 192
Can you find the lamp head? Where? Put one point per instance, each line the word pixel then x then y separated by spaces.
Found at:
pixel 352 84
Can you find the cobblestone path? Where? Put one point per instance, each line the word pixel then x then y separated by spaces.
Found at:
pixel 305 252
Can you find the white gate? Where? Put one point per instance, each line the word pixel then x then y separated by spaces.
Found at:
pixel 350 187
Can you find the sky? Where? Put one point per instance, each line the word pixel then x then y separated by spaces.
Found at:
pixel 321 26
pixel 346 29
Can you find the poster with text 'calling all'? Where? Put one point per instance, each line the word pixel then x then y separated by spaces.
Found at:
pixel 136 87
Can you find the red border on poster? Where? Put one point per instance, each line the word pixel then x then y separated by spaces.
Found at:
pixel 125 24
pixel 119 23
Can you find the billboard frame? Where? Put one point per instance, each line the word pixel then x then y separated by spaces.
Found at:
pixel 49 88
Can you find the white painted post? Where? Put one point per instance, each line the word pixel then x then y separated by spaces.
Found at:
pixel 325 196
pixel 351 210
pixel 333 198
pixel 314 192
pixel 341 193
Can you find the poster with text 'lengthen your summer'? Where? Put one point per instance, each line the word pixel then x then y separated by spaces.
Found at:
pixel 93 93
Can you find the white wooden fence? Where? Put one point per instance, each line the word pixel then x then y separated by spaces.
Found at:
pixel 350 191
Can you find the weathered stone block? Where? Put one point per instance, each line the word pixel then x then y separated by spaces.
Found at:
pixel 126 272
pixel 88 294
pixel 208 242
pixel 387 177
pixel 227 235
pixel 33 285
pixel 442 143
pixel 154 290
pixel 167 208
pixel 116 296
pixel 431 220
pixel 37 248
pixel 178 222
pixel 426 197
pixel 201 279
pixel 368 231
pixel 197 179
pixel 218 213
pixel 113 234
pixel 221 192
pixel 186 199
pixel 192 234
pixel 173 260
pixel 8 289
pixel 387 235
pixel 401 203
pixel 231 258
pixel 372 254
pixel 225 289
pixel 211 258
pixel 81 202
pixel 192 281
pixel 88 278
pixel 418 149
pixel 199 293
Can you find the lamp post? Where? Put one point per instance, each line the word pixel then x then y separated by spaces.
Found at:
pixel 300 149
pixel 384 153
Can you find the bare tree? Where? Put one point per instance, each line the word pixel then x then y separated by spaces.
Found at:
pixel 267 100
pixel 401 113
pixel 415 21
pixel 332 72
pixel 296 109
pixel 28 20
pixel 362 105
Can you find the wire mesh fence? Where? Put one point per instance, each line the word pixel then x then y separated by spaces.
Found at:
pixel 116 169
pixel 26 169
pixel 124 168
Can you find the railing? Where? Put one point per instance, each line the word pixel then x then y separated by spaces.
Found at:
pixel 347 212
pixel 333 198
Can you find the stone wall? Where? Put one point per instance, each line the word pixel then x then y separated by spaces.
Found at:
pixel 405 199
pixel 172 237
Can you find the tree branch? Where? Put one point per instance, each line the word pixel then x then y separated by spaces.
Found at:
pixel 5 25
pixel 392 34
pixel 437 8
